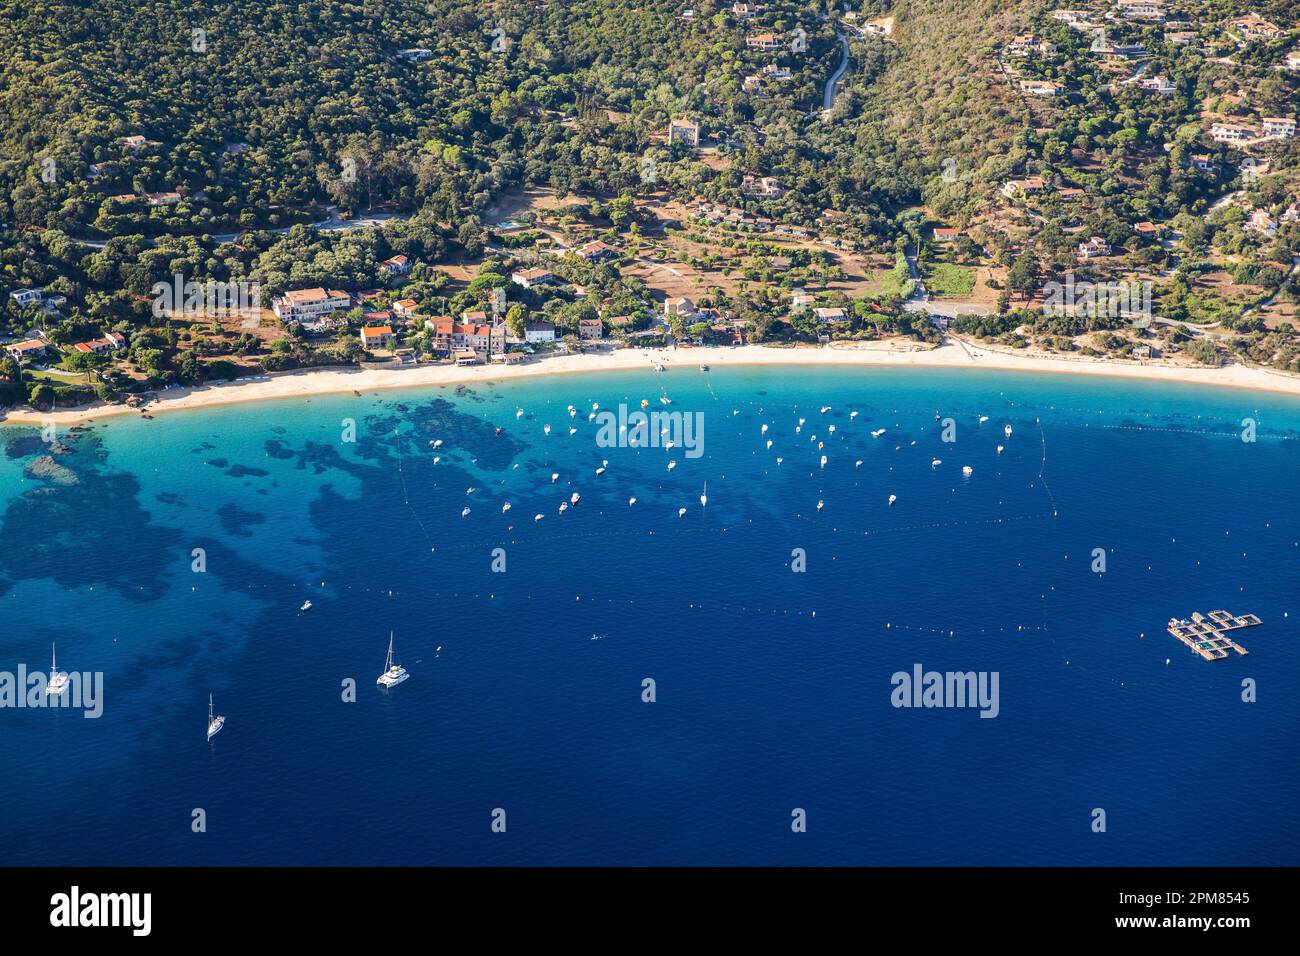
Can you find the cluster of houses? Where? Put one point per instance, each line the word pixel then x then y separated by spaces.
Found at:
pixel 1238 134
pixel 717 214
pixel 37 344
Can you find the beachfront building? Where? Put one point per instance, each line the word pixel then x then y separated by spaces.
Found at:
pixel 376 336
pixel 590 330
pixel 681 306
pixel 307 305
pixel 830 315
pixel 535 332
pixel 106 345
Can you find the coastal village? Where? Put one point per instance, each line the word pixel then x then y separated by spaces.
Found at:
pixel 740 260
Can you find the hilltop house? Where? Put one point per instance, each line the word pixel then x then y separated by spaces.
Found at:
pixel 751 84
pixel 744 10
pixel 136 142
pixel 163 199
pixel 1260 221
pixel 1253 27
pixel 1014 187
pixel 1231 133
pixel 1141 9
pixel 684 131
pixel 531 277
pixel 1095 246
pixel 396 266
pixel 1026 44
pixel 598 251
pixel 1205 163
pixel 763 41
pixel 1040 87
pixel 945 234
pixel 26 297
pixel 1278 127
pixel 1180 37
pixel 302 305
pixel 1159 84
pixel 765 187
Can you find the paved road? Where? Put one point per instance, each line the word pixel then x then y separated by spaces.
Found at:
pixel 828 94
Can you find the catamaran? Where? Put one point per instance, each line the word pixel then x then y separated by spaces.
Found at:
pixel 214 723
pixel 393 674
pixel 58 682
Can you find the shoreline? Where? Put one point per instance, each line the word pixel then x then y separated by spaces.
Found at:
pixel 959 354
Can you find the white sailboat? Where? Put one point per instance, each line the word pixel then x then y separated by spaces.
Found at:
pixel 704 498
pixel 214 723
pixel 393 674
pixel 58 682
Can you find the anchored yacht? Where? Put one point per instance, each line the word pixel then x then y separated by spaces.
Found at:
pixel 393 674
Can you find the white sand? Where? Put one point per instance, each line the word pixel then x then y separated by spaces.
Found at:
pixel 302 384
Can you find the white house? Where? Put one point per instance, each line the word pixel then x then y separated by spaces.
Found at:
pixel 1159 84
pixel 303 305
pixel 396 266
pixel 1095 246
pixel 539 332
pixel 531 277
pixel 1141 9
pixel 1231 133
pixel 1278 127
pixel 25 297
pixel 27 349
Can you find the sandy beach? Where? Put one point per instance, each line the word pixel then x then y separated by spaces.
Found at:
pixel 304 384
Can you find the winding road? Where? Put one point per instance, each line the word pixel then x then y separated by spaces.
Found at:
pixel 828 94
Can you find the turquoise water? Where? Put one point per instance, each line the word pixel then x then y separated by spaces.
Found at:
pixel 772 688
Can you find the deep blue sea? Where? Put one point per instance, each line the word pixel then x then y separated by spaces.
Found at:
pixel 772 688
